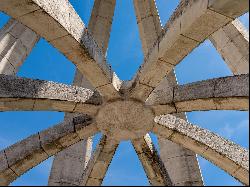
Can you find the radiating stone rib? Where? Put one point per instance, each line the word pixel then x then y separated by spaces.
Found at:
pixel 99 163
pixel 151 162
pixel 101 22
pixel 26 154
pixel 225 154
pixel 148 22
pixel 59 24
pixel 16 43
pixel 226 93
pixel 68 166
pixel 28 95
pixel 232 42
pixel 191 23
pixel 187 171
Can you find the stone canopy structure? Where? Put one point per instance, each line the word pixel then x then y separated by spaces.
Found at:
pixel 124 110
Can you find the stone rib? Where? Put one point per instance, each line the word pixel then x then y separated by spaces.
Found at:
pixel 28 94
pixel 99 163
pixel 16 43
pixel 26 154
pixel 228 156
pixel 227 93
pixel 69 169
pixel 187 171
pixel 191 23
pixel 151 162
pixel 232 42
pixel 59 24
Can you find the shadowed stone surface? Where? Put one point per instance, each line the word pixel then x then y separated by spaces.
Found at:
pixel 30 152
pixel 28 94
pixel 117 119
pixel 191 23
pixel 151 162
pixel 59 24
pixel 16 43
pixel 126 112
pixel 99 163
pixel 223 153
pixel 232 42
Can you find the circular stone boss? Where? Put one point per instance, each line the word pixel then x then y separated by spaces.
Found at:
pixel 125 119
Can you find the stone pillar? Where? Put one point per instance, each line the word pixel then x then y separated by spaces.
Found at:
pixel 16 43
pixel 181 164
pixel 101 22
pixel 232 42
pixel 69 165
pixel 148 22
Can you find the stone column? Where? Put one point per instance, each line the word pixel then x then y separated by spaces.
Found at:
pixel 69 165
pixel 232 42
pixel 16 43
pixel 181 164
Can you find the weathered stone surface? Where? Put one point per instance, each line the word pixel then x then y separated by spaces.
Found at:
pixel 117 119
pixel 29 152
pixel 223 153
pixel 54 20
pixel 152 163
pixel 16 43
pixel 148 22
pixel 232 42
pixel 68 165
pixel 42 95
pixel 25 154
pixel 226 93
pixel 6 174
pixel 101 21
pixel 191 23
pixel 229 8
pixel 99 163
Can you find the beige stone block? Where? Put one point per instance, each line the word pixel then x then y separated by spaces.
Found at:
pixel 242 175
pixel 141 92
pixel 66 44
pixel 198 22
pixel 164 109
pixel 162 131
pixel 94 182
pixel 99 170
pixel 6 42
pixel 52 140
pixel 173 150
pixel 16 54
pixel 183 169
pixel 230 8
pixel 86 109
pixel 24 7
pixel 232 103
pixel 196 105
pixel 54 105
pixel 153 72
pixel 220 160
pixel 25 154
pixel 108 92
pixel 10 104
pixel 6 67
pixel 189 143
pixel 6 174
pixel 45 25
pixel 84 131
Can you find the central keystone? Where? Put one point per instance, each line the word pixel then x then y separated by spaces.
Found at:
pixel 125 119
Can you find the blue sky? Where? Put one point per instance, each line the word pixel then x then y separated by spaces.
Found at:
pixel 125 55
